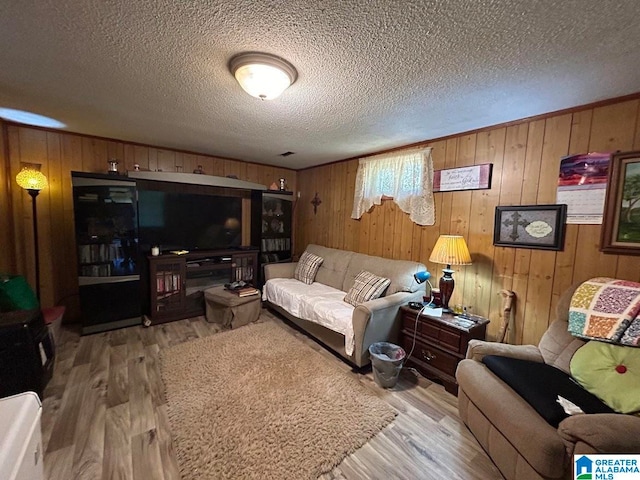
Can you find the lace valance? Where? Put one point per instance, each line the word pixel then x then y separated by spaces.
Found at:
pixel 406 176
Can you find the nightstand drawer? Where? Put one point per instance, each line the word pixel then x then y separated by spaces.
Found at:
pixel 429 330
pixel 432 356
pixel 449 338
pixel 409 321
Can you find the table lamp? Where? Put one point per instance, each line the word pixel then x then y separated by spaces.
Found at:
pixel 449 250
pixel 424 276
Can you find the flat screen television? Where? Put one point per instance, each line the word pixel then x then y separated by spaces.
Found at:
pixel 188 221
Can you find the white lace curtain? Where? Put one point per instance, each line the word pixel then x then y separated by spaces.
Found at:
pixel 405 176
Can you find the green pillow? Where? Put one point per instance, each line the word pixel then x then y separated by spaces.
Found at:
pixel 611 373
pixel 16 294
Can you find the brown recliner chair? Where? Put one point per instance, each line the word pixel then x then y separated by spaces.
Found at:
pixel 519 441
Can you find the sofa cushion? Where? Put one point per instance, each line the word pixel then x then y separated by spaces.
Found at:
pixel 316 303
pixel 557 345
pixel 334 267
pixel 610 372
pixel 340 268
pixel 366 286
pixel 540 384
pixel 307 267
pixel 400 272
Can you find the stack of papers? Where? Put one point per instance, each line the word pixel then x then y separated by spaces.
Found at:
pixel 434 312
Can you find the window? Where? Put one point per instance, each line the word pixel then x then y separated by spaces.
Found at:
pixel 406 176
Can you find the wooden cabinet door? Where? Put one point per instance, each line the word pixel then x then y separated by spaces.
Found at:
pixel 244 267
pixel 167 277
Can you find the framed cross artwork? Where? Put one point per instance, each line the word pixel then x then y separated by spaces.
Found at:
pixel 530 226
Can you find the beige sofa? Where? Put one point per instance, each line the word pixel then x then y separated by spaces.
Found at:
pixel 520 442
pixel 373 321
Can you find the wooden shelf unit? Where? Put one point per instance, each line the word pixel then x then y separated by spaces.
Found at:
pixel 177 282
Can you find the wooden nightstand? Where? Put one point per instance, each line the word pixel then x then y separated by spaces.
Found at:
pixel 441 342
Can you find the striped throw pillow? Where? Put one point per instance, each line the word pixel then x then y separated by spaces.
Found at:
pixel 307 267
pixel 367 286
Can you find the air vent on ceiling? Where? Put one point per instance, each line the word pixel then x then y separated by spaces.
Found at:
pixel 286 154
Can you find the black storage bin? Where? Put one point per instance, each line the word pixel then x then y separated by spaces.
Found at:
pixel 26 352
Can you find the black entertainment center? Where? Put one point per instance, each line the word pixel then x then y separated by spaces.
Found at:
pixel 216 222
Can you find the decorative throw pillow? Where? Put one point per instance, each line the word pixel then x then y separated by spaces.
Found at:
pixel 367 286
pixel 611 373
pixel 307 267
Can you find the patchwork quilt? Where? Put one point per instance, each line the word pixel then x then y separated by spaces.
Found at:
pixel 607 310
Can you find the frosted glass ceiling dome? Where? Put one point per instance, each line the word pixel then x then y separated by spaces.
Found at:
pixel 262 75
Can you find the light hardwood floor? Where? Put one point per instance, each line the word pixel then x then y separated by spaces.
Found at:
pixel 105 417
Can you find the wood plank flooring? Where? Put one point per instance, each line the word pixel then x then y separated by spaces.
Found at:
pixel 105 415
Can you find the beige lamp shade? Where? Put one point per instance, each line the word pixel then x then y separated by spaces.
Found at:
pixel 30 178
pixel 451 250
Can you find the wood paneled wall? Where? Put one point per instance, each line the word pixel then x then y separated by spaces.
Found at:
pixel 60 153
pixel 526 158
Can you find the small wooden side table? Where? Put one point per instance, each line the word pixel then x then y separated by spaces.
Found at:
pixel 441 342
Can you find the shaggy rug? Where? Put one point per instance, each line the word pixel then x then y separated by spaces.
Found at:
pixel 256 403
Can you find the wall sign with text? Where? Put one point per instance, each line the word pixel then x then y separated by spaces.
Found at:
pixel 475 177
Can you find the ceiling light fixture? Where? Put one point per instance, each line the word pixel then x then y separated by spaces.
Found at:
pixel 29 118
pixel 262 75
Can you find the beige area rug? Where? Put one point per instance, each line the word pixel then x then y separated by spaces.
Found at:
pixel 257 403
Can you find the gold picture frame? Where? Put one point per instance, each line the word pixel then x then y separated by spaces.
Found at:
pixel 621 222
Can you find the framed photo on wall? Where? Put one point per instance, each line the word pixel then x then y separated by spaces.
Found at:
pixel 621 222
pixel 530 226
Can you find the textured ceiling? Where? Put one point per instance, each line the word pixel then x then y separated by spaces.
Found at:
pixel 372 74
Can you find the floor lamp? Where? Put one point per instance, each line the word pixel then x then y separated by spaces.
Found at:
pixel 449 250
pixel 33 180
